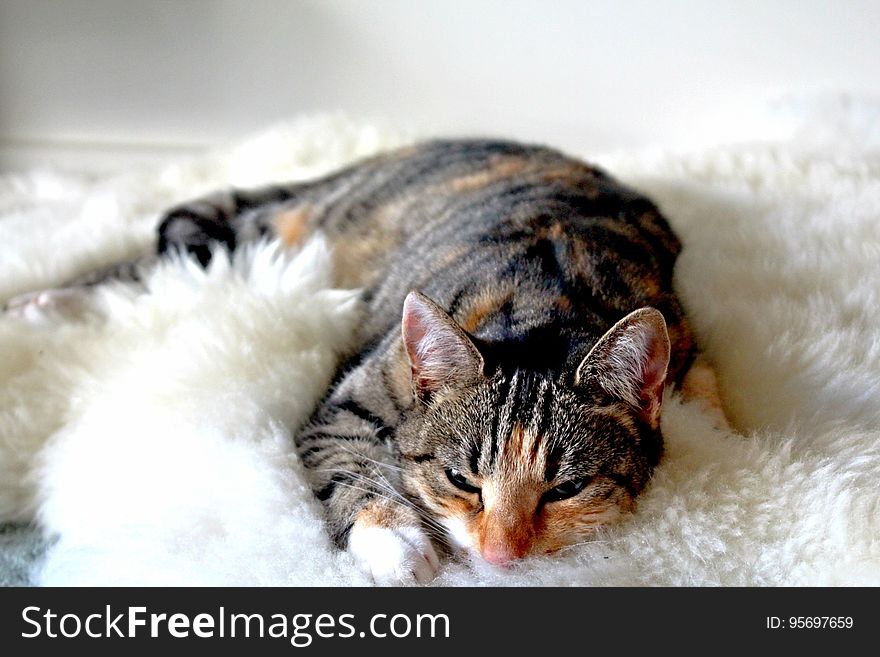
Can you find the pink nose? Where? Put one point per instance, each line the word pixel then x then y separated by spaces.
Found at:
pixel 499 554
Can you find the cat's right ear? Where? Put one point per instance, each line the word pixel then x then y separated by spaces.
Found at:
pixel 440 352
pixel 629 362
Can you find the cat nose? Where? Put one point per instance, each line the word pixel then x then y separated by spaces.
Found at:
pixel 501 554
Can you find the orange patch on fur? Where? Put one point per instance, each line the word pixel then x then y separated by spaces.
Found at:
pixel 552 232
pixel 517 438
pixel 452 254
pixel 399 376
pixel 455 506
pixel 524 458
pixel 571 521
pixel 701 384
pixel 484 306
pixel 573 173
pixel 515 524
pixel 291 226
pixel 381 513
pixel 508 527
pixel 650 286
pixel 500 169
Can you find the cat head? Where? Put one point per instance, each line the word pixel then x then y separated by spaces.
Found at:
pixel 520 461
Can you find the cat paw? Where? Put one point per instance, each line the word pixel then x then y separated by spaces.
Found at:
pixel 700 385
pixel 49 305
pixel 398 556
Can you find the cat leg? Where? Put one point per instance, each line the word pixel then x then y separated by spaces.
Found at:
pixel 227 218
pixel 75 300
pixel 700 384
pixel 50 306
pixel 353 471
pixel 356 480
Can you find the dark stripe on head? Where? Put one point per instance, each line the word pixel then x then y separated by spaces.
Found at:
pixel 540 411
pixel 546 410
pixel 503 393
pixel 555 452
pixel 475 458
pixel 351 406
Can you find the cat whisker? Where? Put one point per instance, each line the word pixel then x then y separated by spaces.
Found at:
pixel 387 491
pixel 572 546
pixel 366 458
pixel 400 502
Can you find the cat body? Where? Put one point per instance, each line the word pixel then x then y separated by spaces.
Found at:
pixel 505 387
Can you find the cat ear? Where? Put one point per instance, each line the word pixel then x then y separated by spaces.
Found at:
pixel 440 352
pixel 629 362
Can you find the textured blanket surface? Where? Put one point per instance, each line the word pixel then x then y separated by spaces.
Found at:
pixel 153 446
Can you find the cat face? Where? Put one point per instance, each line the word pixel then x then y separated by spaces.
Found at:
pixel 518 462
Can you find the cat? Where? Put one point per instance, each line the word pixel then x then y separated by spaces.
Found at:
pixel 505 392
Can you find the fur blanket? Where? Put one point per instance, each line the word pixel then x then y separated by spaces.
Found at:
pixel 153 446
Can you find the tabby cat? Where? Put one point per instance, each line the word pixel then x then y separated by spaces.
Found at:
pixel 505 391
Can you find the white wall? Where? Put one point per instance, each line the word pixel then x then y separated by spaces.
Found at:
pixel 592 75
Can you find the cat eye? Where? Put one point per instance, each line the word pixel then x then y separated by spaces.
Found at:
pixel 460 481
pixel 566 490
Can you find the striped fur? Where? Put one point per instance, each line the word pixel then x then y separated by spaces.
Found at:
pixel 502 379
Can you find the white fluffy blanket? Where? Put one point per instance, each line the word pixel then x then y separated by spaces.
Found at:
pixel 155 446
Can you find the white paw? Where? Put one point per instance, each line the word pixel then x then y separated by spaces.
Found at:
pixel 49 305
pixel 394 557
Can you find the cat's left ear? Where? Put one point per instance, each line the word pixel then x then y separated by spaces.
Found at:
pixel 440 352
pixel 629 362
